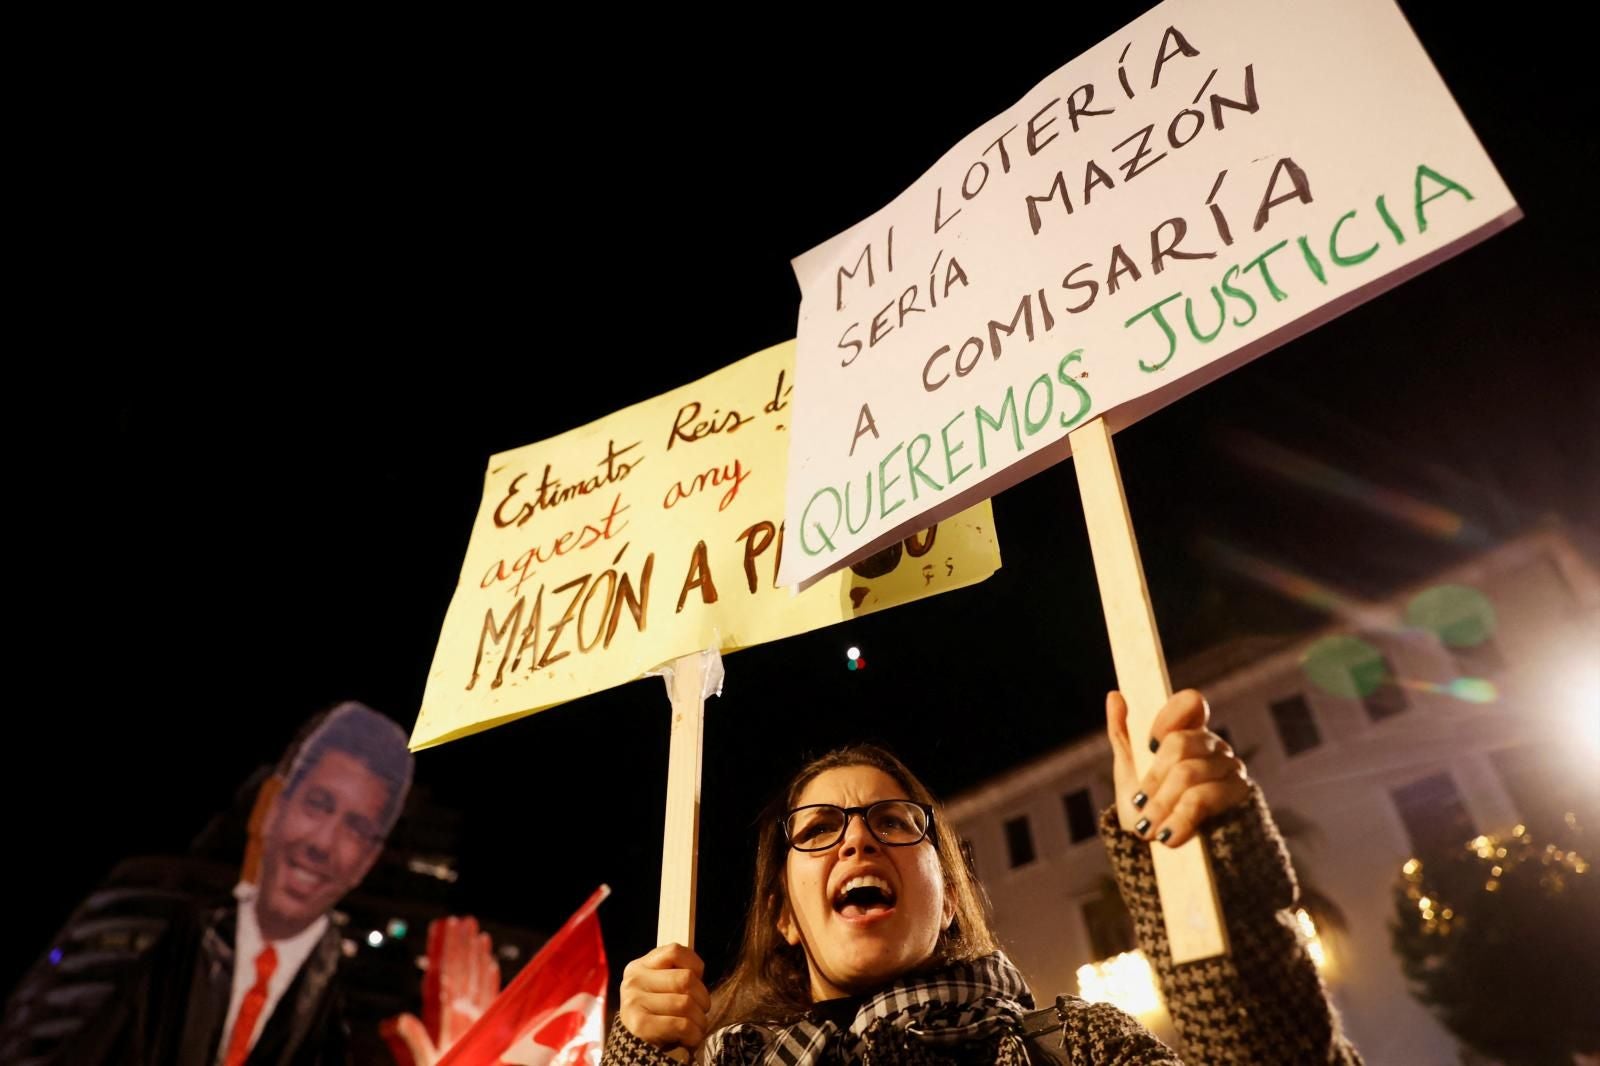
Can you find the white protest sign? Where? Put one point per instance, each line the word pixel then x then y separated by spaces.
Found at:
pixel 1205 184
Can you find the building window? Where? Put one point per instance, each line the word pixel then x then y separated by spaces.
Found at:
pixel 1435 818
pixel 1385 698
pixel 1081 822
pixel 1297 730
pixel 1481 660
pixel 1019 841
pixel 1109 924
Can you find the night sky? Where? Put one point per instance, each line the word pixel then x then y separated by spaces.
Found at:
pixel 301 293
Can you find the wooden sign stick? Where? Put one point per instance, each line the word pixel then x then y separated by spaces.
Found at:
pixel 680 844
pixel 1183 875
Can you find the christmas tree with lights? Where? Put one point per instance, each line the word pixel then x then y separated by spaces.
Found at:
pixel 1500 938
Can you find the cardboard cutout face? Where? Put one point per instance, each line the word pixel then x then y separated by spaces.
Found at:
pixel 321 821
pixel 321 840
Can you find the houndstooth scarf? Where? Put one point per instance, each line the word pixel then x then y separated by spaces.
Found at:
pixel 968 1011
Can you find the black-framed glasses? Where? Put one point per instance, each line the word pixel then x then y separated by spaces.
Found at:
pixel 896 823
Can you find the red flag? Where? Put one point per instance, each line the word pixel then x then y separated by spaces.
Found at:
pixel 553 1014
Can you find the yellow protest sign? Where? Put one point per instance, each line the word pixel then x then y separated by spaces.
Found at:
pixel 651 533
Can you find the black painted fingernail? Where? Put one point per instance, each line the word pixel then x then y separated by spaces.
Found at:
pixel 1164 836
pixel 1154 745
pixel 1143 827
pixel 1139 800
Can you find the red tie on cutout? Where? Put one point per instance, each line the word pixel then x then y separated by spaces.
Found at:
pixel 244 1026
